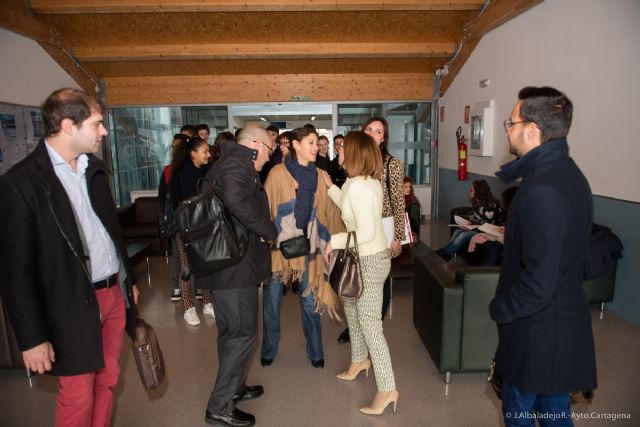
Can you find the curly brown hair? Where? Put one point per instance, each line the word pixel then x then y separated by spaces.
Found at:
pixel 482 194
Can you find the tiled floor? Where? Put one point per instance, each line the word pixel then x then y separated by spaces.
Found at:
pixel 299 395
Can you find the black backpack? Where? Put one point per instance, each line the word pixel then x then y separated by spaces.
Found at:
pixel 213 238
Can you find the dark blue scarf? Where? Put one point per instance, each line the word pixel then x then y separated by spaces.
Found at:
pixel 550 150
pixel 307 179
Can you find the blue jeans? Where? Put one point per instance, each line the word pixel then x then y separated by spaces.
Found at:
pixel 521 408
pixel 459 238
pixel 311 326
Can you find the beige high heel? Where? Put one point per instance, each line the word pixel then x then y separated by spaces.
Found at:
pixel 381 401
pixel 354 369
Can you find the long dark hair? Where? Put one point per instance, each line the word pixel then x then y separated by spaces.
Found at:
pixel 482 194
pixel 299 134
pixel 221 139
pixel 183 152
pixel 385 142
pixel 411 197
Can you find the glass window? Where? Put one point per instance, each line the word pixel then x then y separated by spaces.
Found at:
pixel 213 116
pixel 409 132
pixel 140 141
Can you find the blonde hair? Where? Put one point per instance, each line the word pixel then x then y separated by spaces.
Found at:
pixel 361 155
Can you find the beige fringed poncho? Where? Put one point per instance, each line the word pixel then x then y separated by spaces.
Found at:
pixel 325 221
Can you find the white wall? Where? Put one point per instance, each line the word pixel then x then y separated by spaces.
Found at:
pixel 423 194
pixel 586 48
pixel 27 73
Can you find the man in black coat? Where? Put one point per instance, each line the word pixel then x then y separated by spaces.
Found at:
pixel 235 289
pixel 66 277
pixel 546 347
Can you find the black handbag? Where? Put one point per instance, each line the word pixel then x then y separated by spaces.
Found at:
pixel 167 217
pixel 213 238
pixel 346 275
pixel 296 247
pixel 148 356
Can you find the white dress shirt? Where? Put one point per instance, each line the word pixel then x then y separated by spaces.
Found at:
pixel 102 252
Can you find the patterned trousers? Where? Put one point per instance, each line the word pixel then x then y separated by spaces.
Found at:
pixel 365 325
pixel 186 287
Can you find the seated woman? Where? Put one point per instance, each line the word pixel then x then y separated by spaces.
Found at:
pixel 412 207
pixel 486 209
pixel 486 249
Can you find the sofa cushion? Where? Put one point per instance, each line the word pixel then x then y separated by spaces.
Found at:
pixel 140 230
pixel 147 210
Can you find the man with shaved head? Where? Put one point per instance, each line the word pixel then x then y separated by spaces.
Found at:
pixel 235 289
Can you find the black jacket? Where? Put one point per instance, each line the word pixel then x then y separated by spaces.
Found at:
pixel 323 163
pixel 48 291
pixel 544 323
pixel 245 198
pixel 338 176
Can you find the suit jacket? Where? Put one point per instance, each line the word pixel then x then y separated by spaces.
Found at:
pixel 544 323
pixel 48 290
pixel 245 198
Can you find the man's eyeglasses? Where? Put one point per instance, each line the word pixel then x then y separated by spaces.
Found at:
pixel 508 124
pixel 265 144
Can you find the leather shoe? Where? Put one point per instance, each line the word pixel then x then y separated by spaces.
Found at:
pixel 249 392
pixel 344 336
pixel 266 362
pixel 236 418
pixel 318 363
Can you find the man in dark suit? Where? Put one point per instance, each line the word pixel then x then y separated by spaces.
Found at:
pixel 545 348
pixel 235 289
pixel 66 276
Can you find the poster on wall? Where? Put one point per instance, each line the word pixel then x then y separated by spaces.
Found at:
pixel 15 140
pixel 34 127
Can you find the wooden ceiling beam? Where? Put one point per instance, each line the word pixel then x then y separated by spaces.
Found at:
pixel 13 18
pixel 150 6
pixel 264 51
pixel 497 13
pixel 20 22
pixel 180 90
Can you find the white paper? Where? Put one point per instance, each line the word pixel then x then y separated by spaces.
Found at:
pixel 389 230
pixel 494 230
pixel 463 223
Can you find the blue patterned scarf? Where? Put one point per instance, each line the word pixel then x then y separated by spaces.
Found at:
pixel 307 179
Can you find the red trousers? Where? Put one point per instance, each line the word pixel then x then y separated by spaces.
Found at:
pixel 86 400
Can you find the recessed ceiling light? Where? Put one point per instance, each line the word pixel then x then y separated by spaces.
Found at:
pixel 263 119
pixel 313 118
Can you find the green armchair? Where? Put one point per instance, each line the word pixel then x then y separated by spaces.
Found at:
pixel 451 314
pixel 451 311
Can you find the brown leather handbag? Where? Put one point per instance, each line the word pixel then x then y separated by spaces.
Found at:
pixel 148 356
pixel 346 276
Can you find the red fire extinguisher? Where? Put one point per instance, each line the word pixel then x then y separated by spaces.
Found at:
pixel 462 156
